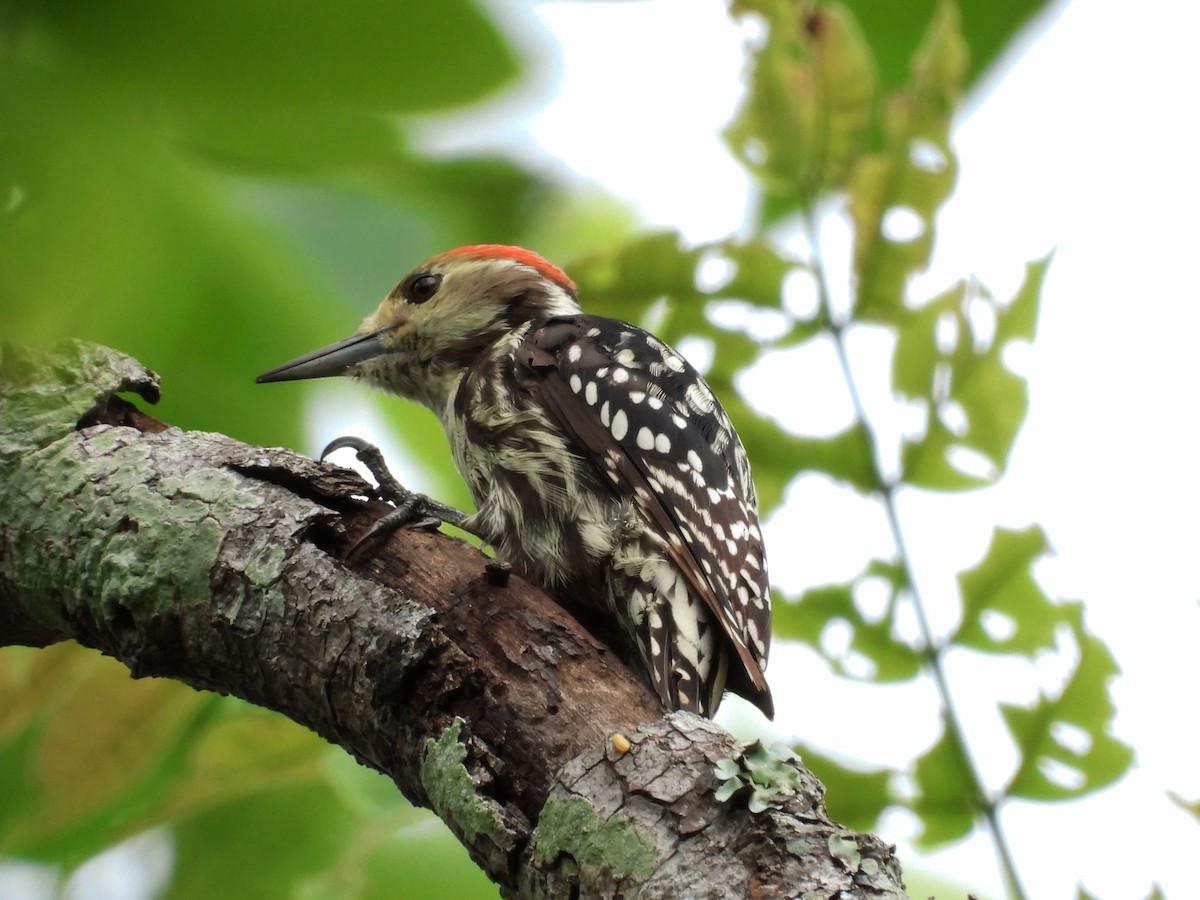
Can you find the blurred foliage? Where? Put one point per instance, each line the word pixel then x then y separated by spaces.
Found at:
pixel 215 188
pixel 258 806
pixel 825 136
pixel 813 131
pixel 168 169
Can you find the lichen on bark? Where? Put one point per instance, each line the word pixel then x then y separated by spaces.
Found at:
pixel 571 828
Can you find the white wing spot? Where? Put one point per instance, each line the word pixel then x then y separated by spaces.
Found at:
pixel 662 443
pixel 637 396
pixel 655 403
pixel 673 362
pixel 589 393
pixel 696 462
pixel 645 438
pixel 574 352
pixel 576 381
pixel 626 357
pixel 699 399
pixel 680 421
pixel 620 424
pixel 604 412
pixel 620 376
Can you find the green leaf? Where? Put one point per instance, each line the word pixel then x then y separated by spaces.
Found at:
pixel 264 844
pixel 874 640
pixel 167 268
pixel 806 114
pixel 855 797
pixel 945 801
pixel 895 192
pixel 33 681
pixel 931 463
pixel 356 54
pixel 894 31
pixel 759 272
pixel 847 456
pixel 640 272
pixel 778 456
pixel 950 357
pixel 116 230
pixel 100 751
pixel 1065 741
pixel 288 141
pixel 421 860
pixel 1018 320
pixel 92 753
pixel 1001 591
pixel 320 95
pixel 1191 807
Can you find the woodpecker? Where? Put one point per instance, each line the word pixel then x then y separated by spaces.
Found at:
pixel 601 464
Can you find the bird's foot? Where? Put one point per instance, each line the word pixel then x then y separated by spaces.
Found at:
pixel 412 510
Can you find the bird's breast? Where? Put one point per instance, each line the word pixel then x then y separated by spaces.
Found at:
pixel 538 502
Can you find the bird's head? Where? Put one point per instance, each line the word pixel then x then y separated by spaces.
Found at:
pixel 439 319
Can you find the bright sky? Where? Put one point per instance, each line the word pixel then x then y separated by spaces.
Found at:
pixel 1087 145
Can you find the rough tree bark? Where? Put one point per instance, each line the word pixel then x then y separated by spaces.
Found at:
pixel 194 557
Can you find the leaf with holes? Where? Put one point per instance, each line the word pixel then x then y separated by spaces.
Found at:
pixel 895 192
pixel 873 651
pixel 1004 609
pixel 624 284
pixel 809 106
pixel 945 800
pixel 1066 744
pixel 758 272
pixel 847 456
pixel 950 357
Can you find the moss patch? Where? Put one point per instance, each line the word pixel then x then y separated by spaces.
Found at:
pixel 572 828
pixel 452 792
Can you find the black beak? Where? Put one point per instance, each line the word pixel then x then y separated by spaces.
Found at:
pixel 336 359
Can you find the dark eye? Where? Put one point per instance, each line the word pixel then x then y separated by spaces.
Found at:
pixel 420 288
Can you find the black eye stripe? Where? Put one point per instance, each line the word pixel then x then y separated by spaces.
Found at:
pixel 421 287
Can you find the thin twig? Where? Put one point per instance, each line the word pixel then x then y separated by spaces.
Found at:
pixel 933 649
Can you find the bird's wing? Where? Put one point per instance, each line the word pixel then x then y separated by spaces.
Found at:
pixel 657 433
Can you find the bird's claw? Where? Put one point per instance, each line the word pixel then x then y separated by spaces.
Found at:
pixel 412 510
pixel 347 441
pixel 372 457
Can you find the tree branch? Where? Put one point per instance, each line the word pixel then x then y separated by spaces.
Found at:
pixel 191 556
